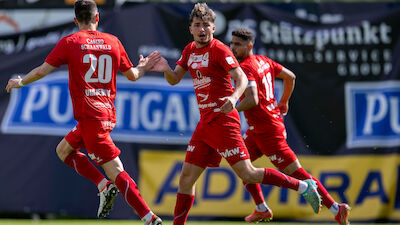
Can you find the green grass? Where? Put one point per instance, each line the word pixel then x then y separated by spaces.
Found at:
pixel 136 222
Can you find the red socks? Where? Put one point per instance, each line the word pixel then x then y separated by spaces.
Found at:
pixel 130 191
pixel 255 192
pixel 276 178
pixel 327 199
pixel 183 204
pixel 82 165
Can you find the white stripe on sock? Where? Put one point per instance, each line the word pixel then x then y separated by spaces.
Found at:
pixel 126 190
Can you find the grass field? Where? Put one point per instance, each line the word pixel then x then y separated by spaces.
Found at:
pixel 135 222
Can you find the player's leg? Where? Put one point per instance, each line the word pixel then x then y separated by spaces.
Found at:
pixel 283 157
pixel 186 192
pixel 103 152
pixel 199 155
pixel 340 211
pixel 79 161
pixel 224 135
pixel 129 190
pixel 249 174
pixel 262 212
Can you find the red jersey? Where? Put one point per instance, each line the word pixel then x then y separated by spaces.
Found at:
pixel 209 67
pixel 93 60
pixel 264 117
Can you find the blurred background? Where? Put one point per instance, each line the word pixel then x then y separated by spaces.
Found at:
pixel 343 120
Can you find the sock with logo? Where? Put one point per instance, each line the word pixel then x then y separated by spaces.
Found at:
pixel 183 204
pixel 276 178
pixel 82 165
pixel 326 198
pixel 255 192
pixel 130 192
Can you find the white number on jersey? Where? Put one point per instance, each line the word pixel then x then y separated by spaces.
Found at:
pixel 104 68
pixel 267 81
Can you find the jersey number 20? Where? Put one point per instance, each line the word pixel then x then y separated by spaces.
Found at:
pixel 104 69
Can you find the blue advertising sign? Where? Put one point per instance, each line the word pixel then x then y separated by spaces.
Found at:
pixel 372 114
pixel 148 110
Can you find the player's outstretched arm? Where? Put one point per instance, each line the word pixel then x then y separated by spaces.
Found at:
pixel 172 76
pixel 288 78
pixel 144 65
pixel 240 85
pixel 35 74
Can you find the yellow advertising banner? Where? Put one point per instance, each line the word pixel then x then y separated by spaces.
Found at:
pixel 368 183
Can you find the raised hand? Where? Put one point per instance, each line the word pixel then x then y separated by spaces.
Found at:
pixel 161 66
pixel 148 62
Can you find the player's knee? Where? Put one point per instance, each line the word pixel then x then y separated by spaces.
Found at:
pixel 185 181
pixel 249 176
pixel 63 150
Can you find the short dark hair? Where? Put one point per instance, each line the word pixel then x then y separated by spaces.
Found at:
pixel 85 11
pixel 202 11
pixel 244 34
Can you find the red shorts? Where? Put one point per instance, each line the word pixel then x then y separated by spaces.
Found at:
pixel 94 136
pixel 214 140
pixel 275 148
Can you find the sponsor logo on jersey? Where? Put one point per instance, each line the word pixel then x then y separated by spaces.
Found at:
pixel 201 83
pixel 95 47
pixel 94 41
pixel 203 97
pixel 232 152
pixel 97 92
pixel 275 158
pixel 230 60
pixel 107 125
pixel 95 158
pixel 190 148
pixel 208 105
pixel 197 61
pixel 272 106
pixel 94 44
pixel 372 114
pixel 102 105
pixel 262 66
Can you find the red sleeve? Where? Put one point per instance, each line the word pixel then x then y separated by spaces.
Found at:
pixel 248 71
pixel 224 57
pixel 59 55
pixel 182 61
pixel 277 68
pixel 125 63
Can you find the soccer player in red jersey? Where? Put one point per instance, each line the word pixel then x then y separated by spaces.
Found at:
pixel 93 60
pixel 211 65
pixel 267 134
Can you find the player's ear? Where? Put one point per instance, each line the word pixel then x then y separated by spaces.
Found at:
pixel 97 17
pixel 251 46
pixel 190 29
